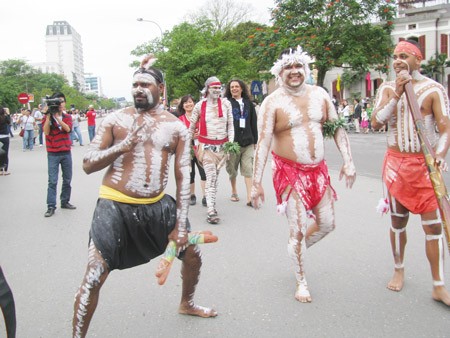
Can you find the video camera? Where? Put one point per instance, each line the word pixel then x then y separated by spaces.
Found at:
pixel 53 104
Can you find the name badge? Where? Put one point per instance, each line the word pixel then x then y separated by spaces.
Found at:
pixel 242 122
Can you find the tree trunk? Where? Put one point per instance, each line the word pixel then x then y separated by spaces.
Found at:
pixel 321 72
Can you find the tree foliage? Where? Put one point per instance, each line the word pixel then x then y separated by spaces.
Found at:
pixel 435 67
pixel 193 52
pixel 336 33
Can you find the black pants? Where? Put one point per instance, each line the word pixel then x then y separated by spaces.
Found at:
pixel 8 307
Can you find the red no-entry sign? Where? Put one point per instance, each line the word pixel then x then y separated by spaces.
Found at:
pixel 23 98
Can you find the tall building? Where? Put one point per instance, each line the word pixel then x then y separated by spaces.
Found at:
pixel 93 84
pixel 65 50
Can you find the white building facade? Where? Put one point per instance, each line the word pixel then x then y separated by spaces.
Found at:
pixel 64 51
pixel 93 84
pixel 427 22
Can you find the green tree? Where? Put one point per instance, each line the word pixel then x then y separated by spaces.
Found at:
pixel 194 52
pixel 336 33
pixel 17 76
pixel 435 67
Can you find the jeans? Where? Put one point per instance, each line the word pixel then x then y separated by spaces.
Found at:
pixel 91 131
pixel 41 139
pixel 77 131
pixel 28 139
pixel 54 160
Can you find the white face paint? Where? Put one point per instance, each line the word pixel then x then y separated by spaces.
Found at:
pixel 145 91
pixel 293 75
pixel 214 92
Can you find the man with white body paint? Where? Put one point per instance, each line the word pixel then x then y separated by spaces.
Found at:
pixel 290 121
pixel 134 220
pixel 215 129
pixel 405 173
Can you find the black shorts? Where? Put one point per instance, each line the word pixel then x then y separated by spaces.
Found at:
pixel 128 235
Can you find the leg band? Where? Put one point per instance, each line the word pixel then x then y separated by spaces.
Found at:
pixel 431 222
pixel 433 237
pixel 399 215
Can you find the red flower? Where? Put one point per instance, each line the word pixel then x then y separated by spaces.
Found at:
pixel 389 23
pixel 386 10
pixel 259 29
pixel 272 45
pixel 262 44
pixel 251 36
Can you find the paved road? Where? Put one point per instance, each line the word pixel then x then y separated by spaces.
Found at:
pixel 246 276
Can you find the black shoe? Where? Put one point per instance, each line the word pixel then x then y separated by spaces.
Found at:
pixel 204 201
pixel 50 212
pixel 68 206
pixel 193 200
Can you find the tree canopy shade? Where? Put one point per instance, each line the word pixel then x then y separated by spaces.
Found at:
pixel 350 33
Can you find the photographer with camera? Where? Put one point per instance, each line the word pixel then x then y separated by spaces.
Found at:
pixel 57 126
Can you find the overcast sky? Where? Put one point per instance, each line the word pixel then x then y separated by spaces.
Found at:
pixel 109 31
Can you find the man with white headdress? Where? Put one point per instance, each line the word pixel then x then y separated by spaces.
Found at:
pixel 215 129
pixel 290 122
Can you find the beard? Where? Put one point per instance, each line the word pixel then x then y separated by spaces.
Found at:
pixel 143 105
pixel 146 104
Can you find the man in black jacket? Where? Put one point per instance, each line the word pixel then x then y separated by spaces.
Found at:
pixel 245 133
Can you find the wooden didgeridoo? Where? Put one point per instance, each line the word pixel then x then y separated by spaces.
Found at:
pixel 438 183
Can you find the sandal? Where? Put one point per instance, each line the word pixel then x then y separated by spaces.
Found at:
pixel 234 198
pixel 249 204
pixel 212 218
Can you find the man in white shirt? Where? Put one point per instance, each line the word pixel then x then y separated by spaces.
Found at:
pixel 38 118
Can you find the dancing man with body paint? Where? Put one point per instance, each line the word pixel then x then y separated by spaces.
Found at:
pixel 291 119
pixel 215 129
pixel 405 173
pixel 134 220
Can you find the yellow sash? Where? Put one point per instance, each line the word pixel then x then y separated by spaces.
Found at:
pixel 115 195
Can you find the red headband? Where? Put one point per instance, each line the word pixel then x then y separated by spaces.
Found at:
pixel 406 47
pixel 214 84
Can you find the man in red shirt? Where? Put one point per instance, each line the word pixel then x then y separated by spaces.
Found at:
pixel 91 115
pixel 57 126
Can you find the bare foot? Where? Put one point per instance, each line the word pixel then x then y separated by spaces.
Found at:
pixel 441 294
pixel 396 283
pixel 197 310
pixel 302 294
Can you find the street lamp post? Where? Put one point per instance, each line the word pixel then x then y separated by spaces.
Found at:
pixel 160 30
pixel 154 22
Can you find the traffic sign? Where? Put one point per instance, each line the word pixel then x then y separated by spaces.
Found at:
pixel 23 98
pixel 256 88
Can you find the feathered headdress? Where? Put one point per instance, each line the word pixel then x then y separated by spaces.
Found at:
pixel 147 68
pixel 292 56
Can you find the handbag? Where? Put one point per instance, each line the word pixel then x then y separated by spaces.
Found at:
pixel 22 131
